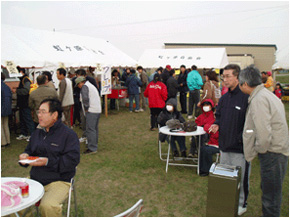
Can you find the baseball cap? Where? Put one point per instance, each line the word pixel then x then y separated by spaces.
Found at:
pixel 79 79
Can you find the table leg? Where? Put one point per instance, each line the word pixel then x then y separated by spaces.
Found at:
pixel 198 155
pixel 167 162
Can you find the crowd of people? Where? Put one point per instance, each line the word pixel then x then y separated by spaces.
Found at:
pixel 242 119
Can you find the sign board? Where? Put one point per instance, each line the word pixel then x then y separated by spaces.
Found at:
pixel 11 67
pixel 106 87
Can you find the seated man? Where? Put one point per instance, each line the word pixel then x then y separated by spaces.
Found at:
pixel 59 149
pixel 170 112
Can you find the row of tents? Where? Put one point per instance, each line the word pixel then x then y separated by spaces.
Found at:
pixel 46 49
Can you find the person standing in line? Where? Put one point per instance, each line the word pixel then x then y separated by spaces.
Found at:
pixel 26 122
pixel 92 108
pixel 65 94
pixel 172 85
pixel 6 110
pixel 269 82
pixel 156 92
pixel 165 74
pixel 183 89
pixel 144 80
pixel 49 79
pixel 210 87
pixel 38 95
pixel 133 83
pixel 194 83
pixel 265 135
pixel 230 119
pixel 159 71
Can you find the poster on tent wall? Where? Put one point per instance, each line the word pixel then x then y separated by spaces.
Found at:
pixel 11 67
pixel 106 87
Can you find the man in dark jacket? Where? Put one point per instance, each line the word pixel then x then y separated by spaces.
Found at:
pixel 183 89
pixel 230 119
pixel 59 151
pixel 170 112
pixel 165 74
pixel 26 122
pixel 172 85
pixel 133 83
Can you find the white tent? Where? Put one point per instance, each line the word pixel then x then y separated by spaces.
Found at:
pixel 201 57
pixel 28 47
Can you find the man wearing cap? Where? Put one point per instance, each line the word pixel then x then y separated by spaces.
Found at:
pixel 91 104
pixel 269 84
pixel 165 74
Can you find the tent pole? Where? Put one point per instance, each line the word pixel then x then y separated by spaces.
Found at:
pixel 106 105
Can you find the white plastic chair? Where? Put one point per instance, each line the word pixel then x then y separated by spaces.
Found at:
pixel 72 189
pixel 133 211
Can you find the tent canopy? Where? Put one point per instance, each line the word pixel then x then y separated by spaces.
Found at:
pixel 201 57
pixel 28 47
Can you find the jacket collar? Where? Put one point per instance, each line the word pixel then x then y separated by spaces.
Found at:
pixel 235 91
pixel 255 92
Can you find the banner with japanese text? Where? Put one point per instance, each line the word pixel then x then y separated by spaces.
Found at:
pixel 106 87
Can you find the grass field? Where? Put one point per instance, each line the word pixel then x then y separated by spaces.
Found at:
pixel 127 168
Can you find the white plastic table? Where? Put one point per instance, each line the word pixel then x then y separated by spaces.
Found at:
pixel 165 130
pixel 36 191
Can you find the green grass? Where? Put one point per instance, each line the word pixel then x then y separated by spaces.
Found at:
pixel 127 168
pixel 282 78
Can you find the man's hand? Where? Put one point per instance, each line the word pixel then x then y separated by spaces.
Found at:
pixel 214 128
pixel 198 104
pixel 42 161
pixel 23 156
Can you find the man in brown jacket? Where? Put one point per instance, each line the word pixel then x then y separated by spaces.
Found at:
pixel 144 80
pixel 37 96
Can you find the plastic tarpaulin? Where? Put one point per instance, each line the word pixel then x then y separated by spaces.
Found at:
pixel 41 48
pixel 201 57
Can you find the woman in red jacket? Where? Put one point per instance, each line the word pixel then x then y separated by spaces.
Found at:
pixel 156 92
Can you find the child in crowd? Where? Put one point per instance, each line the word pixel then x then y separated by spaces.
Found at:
pixel 279 91
pixel 206 119
pixel 170 112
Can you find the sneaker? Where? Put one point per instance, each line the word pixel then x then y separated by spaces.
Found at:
pixel 190 117
pixel 131 111
pixel 28 138
pixel 88 151
pixel 190 155
pixel 141 110
pixel 137 111
pixel 82 139
pixel 21 137
pixel 241 210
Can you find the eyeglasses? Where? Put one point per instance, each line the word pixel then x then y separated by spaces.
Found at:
pixel 41 112
pixel 226 77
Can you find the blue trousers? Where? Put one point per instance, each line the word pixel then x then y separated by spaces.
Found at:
pixel 273 168
pixel 206 153
pixel 131 97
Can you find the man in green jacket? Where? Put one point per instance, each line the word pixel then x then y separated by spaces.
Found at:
pixel 194 83
pixel 266 135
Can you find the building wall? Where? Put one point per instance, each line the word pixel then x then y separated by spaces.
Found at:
pixel 263 55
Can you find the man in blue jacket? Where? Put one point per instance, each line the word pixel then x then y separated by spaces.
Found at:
pixel 59 150
pixel 194 83
pixel 133 83
pixel 230 119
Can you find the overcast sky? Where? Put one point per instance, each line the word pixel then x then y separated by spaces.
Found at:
pixel 134 26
